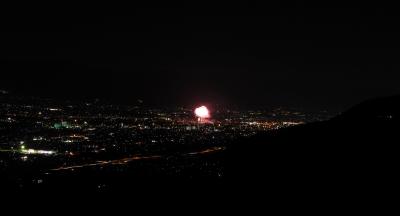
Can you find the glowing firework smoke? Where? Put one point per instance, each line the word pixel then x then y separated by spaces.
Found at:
pixel 202 112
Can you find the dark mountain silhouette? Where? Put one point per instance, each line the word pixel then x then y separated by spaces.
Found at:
pixel 358 150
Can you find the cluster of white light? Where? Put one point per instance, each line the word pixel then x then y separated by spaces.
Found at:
pixel 68 141
pixel 54 109
pixel 34 151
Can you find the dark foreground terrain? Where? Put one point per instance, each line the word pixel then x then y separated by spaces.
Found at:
pixel 353 153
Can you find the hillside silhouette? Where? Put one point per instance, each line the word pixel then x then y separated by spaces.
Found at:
pixel 356 150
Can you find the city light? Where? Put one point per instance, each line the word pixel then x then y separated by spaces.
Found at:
pixel 79 136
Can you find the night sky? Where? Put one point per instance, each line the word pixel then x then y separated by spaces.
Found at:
pixel 248 55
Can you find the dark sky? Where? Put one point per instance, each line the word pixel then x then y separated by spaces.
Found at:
pixel 244 55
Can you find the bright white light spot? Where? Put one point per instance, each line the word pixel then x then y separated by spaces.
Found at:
pixel 202 112
pixel 34 151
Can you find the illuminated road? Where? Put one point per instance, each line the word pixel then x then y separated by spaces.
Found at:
pixel 135 158
pixel 206 151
